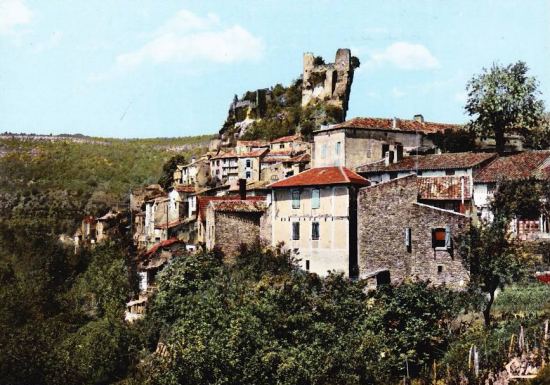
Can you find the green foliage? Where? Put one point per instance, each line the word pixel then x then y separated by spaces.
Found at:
pixel 263 321
pixel 355 63
pixel 318 60
pixel 532 298
pixel 521 198
pixel 493 259
pixel 167 177
pixel 504 100
pixel 454 140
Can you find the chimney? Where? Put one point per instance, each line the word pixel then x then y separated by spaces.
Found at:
pixel 388 158
pixel 419 118
pixel 394 123
pixel 242 189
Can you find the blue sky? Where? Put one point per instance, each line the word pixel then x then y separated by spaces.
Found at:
pixel 170 68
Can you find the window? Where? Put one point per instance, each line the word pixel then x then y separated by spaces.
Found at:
pixel 248 163
pixel 449 172
pixel 315 198
pixel 295 231
pixel 295 199
pixel 282 145
pixel 439 269
pixel 307 264
pixel 338 145
pixel 323 151
pixel 369 150
pixel 247 175
pixel 441 238
pixel 315 230
pixel 408 239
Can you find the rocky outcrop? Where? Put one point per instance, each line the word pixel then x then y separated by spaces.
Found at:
pixel 330 82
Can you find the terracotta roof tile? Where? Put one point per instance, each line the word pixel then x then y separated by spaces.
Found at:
pixel 247 206
pixel 459 160
pixel 203 202
pixel 519 166
pixel 252 143
pixel 444 187
pixel 322 176
pixel 289 138
pixel 185 188
pixel 254 154
pixel 400 124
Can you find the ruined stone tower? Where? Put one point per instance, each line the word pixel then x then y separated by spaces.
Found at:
pixel 328 82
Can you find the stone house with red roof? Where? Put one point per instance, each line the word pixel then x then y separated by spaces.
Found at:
pixel 314 214
pixel 364 140
pixel 401 235
pixel 520 166
pixel 466 164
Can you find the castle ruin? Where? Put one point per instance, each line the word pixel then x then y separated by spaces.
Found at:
pixel 330 82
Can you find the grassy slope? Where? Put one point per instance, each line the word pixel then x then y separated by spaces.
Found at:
pixel 48 186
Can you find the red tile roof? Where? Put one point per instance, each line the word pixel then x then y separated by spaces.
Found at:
pixel 400 124
pixel 303 158
pixel 185 188
pixel 222 155
pixel 444 187
pixel 203 202
pixel 289 138
pixel 254 154
pixel 247 206
pixel 446 161
pixel 158 245
pixel 519 166
pixel 322 176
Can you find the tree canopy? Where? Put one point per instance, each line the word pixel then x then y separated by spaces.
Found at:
pixel 503 100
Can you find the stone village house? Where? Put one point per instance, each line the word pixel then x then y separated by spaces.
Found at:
pixel 400 238
pixel 315 214
pixel 361 141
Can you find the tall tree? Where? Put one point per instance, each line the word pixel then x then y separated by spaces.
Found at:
pixel 493 259
pixel 167 177
pixel 503 99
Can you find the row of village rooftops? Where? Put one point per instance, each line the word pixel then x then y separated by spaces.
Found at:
pixel 353 143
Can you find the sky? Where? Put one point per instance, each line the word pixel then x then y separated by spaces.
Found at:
pixel 138 68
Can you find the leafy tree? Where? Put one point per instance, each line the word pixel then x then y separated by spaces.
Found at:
pixel 167 177
pixel 462 140
pixel 504 100
pixel 355 63
pixel 493 258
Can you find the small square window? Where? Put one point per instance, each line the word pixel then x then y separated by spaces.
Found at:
pixel 247 175
pixel 439 269
pixel 295 231
pixel 248 163
pixel 281 145
pixel 315 230
pixel 441 238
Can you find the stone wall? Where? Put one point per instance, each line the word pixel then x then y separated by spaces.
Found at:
pixel 328 82
pixel 384 213
pixel 231 229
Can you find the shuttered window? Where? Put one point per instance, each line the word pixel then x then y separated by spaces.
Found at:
pixel 315 230
pixel 295 231
pixel 441 238
pixel 315 198
pixel 295 199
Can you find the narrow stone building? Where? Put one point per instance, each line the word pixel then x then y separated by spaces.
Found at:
pixel 400 238
pixel 230 223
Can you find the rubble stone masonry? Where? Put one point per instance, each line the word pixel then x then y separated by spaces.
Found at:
pixel 385 211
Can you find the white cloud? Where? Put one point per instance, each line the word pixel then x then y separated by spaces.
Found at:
pixel 406 56
pixel 397 93
pixel 14 14
pixel 187 38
